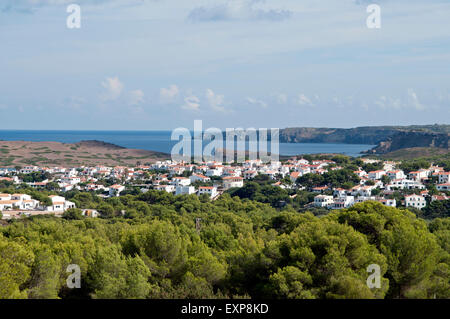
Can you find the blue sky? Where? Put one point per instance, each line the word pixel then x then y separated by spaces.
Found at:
pixel 161 64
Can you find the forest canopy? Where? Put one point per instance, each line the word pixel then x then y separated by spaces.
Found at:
pixel 156 245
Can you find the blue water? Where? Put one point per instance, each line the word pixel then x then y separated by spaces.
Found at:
pixel 160 141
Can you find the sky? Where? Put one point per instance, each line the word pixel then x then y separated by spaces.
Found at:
pixel 161 64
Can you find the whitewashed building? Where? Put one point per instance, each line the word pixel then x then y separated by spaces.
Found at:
pixel 185 190
pixel 416 201
pixel 323 201
pixel 209 190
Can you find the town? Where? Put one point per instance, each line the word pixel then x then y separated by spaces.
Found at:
pixel 329 183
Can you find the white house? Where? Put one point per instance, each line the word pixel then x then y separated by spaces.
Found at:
pixel 363 190
pixel 376 174
pixel 396 174
pixel 339 192
pixel 65 187
pixel 271 173
pixel 166 188
pixel 182 190
pixel 233 181
pixel 209 190
pixel 362 199
pixel 29 169
pixel 303 161
pixel 443 187
pixel 213 172
pixel 17 201
pixel 388 202
pixel 181 181
pixel 416 201
pixel 404 184
pixel 444 177
pixel 59 204
pixel 232 171
pixel 360 173
pixel 303 169
pixel 199 178
pixel 284 170
pixel 343 202
pixel 418 175
pixel 115 190
pixel 323 201
pixel 71 180
pixel 250 174
pixel 90 213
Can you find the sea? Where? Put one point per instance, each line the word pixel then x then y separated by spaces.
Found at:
pixel 160 141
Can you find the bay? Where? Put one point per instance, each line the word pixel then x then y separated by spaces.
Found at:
pixel 160 141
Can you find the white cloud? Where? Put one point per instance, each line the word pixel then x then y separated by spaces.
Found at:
pixel 136 97
pixel 413 100
pixel 215 101
pixel 410 101
pixel 282 98
pixel 303 100
pixel 254 101
pixel 237 10
pixel 381 102
pixel 191 103
pixel 169 95
pixel 113 89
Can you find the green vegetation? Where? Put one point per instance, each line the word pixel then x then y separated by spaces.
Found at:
pixel 34 177
pixel 436 209
pixel 149 246
pixel 342 178
pixel 440 159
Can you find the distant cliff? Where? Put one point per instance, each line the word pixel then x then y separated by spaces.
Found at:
pixel 403 140
pixel 359 135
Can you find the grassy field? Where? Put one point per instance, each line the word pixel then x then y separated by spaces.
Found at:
pixel 418 152
pixel 20 153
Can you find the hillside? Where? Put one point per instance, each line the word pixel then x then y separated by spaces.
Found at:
pixel 417 152
pixel 358 135
pixel 20 153
pixel 407 140
pixel 387 138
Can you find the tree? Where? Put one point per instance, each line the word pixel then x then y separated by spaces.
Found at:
pixel 385 179
pixel 45 275
pixel 321 258
pixel 436 209
pixel 52 186
pixel 15 268
pixel 411 251
pixel 310 180
pixel 116 276
pixel 73 213
pixel 106 210
pixel 244 249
